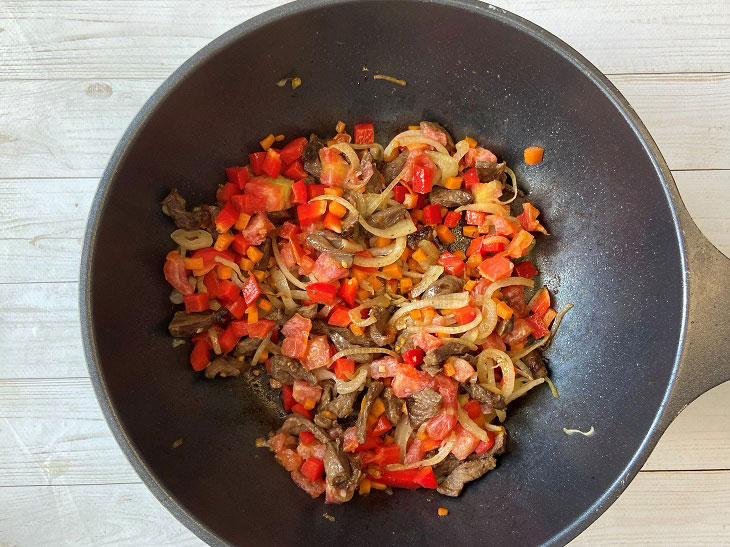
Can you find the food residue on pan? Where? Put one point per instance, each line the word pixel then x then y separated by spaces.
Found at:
pixel 176 443
pixel 390 79
pixel 328 517
pixel 295 82
pixel 588 433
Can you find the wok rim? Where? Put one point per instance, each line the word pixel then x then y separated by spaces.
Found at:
pixel 518 24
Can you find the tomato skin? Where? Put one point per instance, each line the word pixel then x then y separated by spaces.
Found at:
pixel 364 133
pixel 257 229
pixel 318 353
pixel 176 274
pixel 439 427
pixel 496 267
pixel 326 269
pixel 409 380
pixel 466 442
pixel 526 269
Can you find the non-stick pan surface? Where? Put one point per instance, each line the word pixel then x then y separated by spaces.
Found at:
pixel 617 252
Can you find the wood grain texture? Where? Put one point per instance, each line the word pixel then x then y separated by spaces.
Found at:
pixel 71 129
pixel 113 39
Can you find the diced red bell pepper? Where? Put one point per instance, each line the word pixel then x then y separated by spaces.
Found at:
pixel 475 246
pixel 432 214
pixel 195 302
pixel 200 356
pixel 348 291
pixel 228 339
pixel 470 177
pixel 287 397
pixel 465 315
pixel 238 176
pixel 311 212
pixel 453 265
pixel 475 218
pixel 257 161
pixel 208 255
pixel 496 267
pixel 306 437
pixel 364 133
pixel 382 426
pixel 240 244
pixel 526 269
pixel 344 368
pixel 289 230
pixel 293 150
pixel 299 409
pixel 541 303
pixel 228 290
pixel 399 193
pixel 295 171
pixel 539 330
pixel 226 218
pixel 410 478
pixel 176 274
pixel 315 190
pixel 211 284
pixel 482 447
pixel 299 192
pixel 422 179
pixel 260 328
pixel 226 192
pixel 473 409
pixel 322 293
pixel 251 290
pixel 240 328
pixel 492 248
pixel 382 455
pixel 237 308
pixel 312 468
pixel 340 316
pixel 452 218
pixel 413 357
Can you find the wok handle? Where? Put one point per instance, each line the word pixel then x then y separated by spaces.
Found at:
pixel 705 361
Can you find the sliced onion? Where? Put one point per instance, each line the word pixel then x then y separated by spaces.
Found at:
pixel 549 382
pixel 234 267
pixel 522 369
pixel 375 203
pixel 449 166
pixel 440 456
pixel 347 150
pixel 360 351
pixel 493 208
pixel 506 283
pixel 556 322
pixel 462 147
pixel 283 287
pixel 382 301
pixel 322 373
pixel 401 435
pixel 429 248
pixel 213 335
pixel 524 388
pixel 259 350
pixel 394 141
pixel 519 354
pixel 448 301
pixel 431 274
pixel 376 150
pixel 505 363
pixel 588 433
pixel 300 295
pixel 514 185
pixel 452 330
pixel 358 381
pixel 409 141
pixel 501 415
pixel 176 297
pixel 380 261
pixel 489 313
pixel 471 426
pixel 283 268
pixel 192 239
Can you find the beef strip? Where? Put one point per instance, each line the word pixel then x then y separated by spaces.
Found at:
pixel 449 198
pixel 327 387
pixel 185 324
pixel 378 330
pixel 423 406
pixel 287 371
pixel 478 393
pixel 308 312
pixel 209 223
pixel 279 217
pixel 412 240
pixel 344 492
pixel 432 362
pixel 225 366
pixel 174 206
pixel 385 218
pixel 343 338
pixel 349 222
pixel 329 242
pixel 376 184
pixel 323 421
pixel 247 346
pixel 277 315
pixel 536 363
pixel 342 405
pixel 465 472
pixel 310 156
pixel 372 393
pixel 393 406
pixel 438 127
pixel 446 285
pixel 265 248
pixel 445 466
pixel 336 466
pixel 490 170
pixel 296 423
pixel 393 168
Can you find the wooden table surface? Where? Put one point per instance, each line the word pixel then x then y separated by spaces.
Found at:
pixel 72 75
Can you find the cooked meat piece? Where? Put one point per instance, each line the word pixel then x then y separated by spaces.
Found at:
pixel 465 472
pixel 385 218
pixel 423 406
pixel 450 198
pixel 433 359
pixel 376 184
pixel 247 346
pixel 327 387
pixel 336 466
pixel 323 421
pixel 308 312
pixel 329 242
pixel 209 223
pixel 393 168
pixel 345 492
pixel 287 370
pixel 343 338
pixel 393 406
pixel 174 206
pixel 342 405
pixel 490 170
pixel 279 217
pixel 504 326
pixel 225 366
pixel 446 466
pixel 296 423
pixel 349 222
pixel 404 343
pixel 500 444
pixel 372 393
pixel 378 330
pixel 438 127
pixel 446 285
pixel 536 363
pixel 478 393
pixel 185 324
pixel 413 239
pixel 310 156
pixel 277 315
pixel 263 263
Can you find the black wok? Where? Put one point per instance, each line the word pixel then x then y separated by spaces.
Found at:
pixel 646 336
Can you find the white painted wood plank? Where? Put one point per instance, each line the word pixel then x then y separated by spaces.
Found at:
pixel 133 39
pixel 656 509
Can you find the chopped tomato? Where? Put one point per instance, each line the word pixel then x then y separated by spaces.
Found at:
pixel 520 244
pixel 349 439
pixel 251 290
pixel 301 391
pixel 483 447
pixel 322 293
pixel 339 316
pixel 348 291
pixel 424 170
pixel 334 167
pixel 382 455
pixel 474 155
pixel 257 229
pixel 431 132
pixel 305 437
pixel 521 329
pixel 176 274
pixel 296 171
pixel 288 230
pixel 383 425
pixel 306 265
pixel 409 380
pixel 287 398
pixel 466 442
pixel 344 368
pixel 287 256
pixel 526 269
pixel 502 226
pixel 299 192
pixel 384 367
pixel 515 296
pixel 495 341
pixel 364 133
pixel 260 328
pixel 313 469
pixel 427 342
pixel 470 177
pixel 293 151
pixel 541 302
pixel 265 194
pixel 528 218
pixel 299 408
pixel 465 315
pixel 440 426
pixel 538 326
pixel 318 353
pixel 464 371
pixel 473 409
pixel 496 267
pixel 326 269
pixel 313 488
pixel 296 330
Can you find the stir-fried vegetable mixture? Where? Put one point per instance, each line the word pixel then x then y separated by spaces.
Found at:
pixel 385 291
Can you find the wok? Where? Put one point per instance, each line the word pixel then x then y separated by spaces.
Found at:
pixel 644 339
